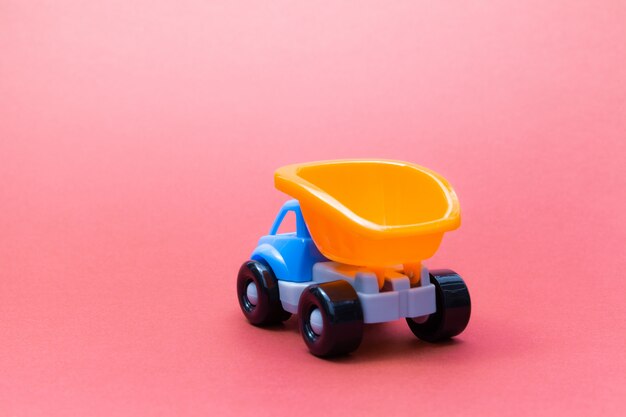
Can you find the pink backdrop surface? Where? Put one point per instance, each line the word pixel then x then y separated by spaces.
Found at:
pixel 137 146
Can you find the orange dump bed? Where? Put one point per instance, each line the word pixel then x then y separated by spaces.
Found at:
pixel 372 212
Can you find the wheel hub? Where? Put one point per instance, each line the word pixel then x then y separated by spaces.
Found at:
pixel 316 321
pixel 252 294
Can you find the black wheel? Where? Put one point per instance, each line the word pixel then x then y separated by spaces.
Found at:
pixel 330 318
pixel 257 290
pixel 453 308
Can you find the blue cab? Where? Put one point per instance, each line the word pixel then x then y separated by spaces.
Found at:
pixel 290 255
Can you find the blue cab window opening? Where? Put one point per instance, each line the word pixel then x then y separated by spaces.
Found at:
pixel 291 215
pixel 287 224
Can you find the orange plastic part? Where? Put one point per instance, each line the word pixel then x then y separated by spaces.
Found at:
pixel 372 212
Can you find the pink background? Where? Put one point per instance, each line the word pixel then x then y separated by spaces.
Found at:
pixel 137 146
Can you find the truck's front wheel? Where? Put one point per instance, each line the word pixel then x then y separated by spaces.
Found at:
pixel 257 291
pixel 330 318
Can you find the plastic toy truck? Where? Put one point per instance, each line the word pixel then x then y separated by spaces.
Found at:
pixel 363 228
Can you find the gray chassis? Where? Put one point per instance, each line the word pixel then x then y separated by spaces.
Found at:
pixel 397 299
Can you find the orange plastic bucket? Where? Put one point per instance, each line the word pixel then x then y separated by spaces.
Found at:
pixel 372 212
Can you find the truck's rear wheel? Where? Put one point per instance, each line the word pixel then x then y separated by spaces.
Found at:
pixel 330 318
pixel 257 291
pixel 453 308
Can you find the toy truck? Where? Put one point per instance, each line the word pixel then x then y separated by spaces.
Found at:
pixel 363 228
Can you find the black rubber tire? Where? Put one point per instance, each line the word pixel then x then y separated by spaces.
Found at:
pixel 342 316
pixel 268 309
pixel 453 308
